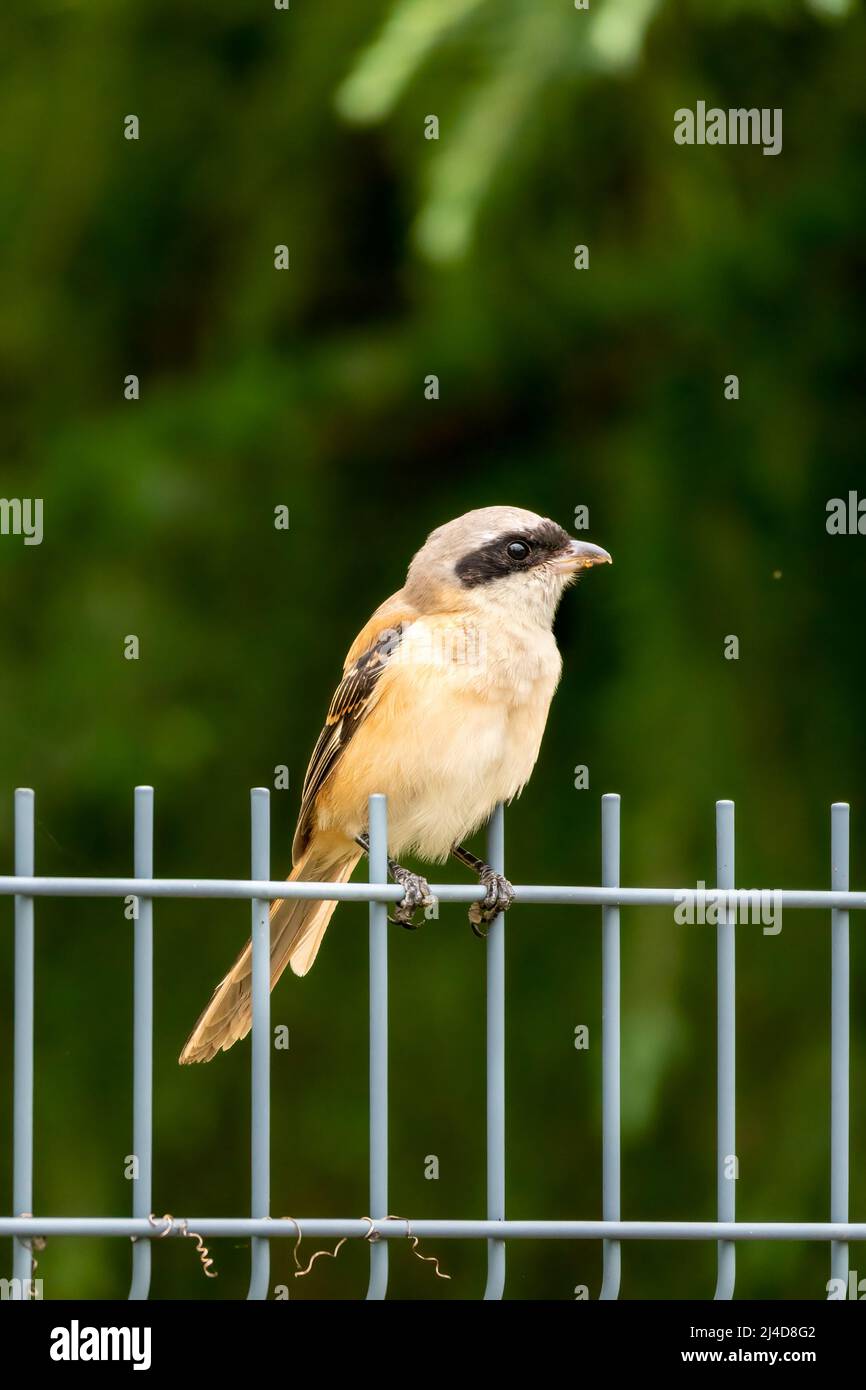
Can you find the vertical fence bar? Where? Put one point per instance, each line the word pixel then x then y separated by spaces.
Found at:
pixel 610 1043
pixel 840 1039
pixel 22 1122
pixel 378 861
pixel 496 1066
pixel 142 1042
pixel 260 1146
pixel 726 1160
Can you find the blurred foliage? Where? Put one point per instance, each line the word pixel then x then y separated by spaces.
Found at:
pixel 559 388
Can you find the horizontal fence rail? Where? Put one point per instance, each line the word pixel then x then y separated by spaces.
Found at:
pixel 143 1226
pixel 399 1227
pixel 30 886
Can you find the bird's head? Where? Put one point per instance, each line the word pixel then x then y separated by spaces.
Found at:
pixel 499 558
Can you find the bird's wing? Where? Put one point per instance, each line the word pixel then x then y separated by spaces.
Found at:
pixel 368 656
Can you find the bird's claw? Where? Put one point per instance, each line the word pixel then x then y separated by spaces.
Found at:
pixel 416 894
pixel 499 897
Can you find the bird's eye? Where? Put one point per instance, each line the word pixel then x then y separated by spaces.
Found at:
pixel 517 550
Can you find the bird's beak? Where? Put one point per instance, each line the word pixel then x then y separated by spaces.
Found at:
pixel 580 555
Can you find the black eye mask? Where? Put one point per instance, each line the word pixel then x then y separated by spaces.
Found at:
pixel 492 560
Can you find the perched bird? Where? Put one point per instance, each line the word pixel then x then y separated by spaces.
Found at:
pixel 442 707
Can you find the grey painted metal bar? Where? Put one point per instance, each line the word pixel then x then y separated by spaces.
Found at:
pixel 812 899
pixel 495 1287
pixel 610 1045
pixel 840 1053
pixel 260 1099
pixel 142 1040
pixel 378 860
pixel 23 1078
pixel 726 1160
pixel 396 1229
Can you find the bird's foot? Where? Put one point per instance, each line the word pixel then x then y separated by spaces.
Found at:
pixel 416 894
pixel 500 896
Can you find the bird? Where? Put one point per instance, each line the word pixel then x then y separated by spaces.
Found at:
pixel 442 707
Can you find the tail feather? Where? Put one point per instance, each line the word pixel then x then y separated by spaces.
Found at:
pixel 297 928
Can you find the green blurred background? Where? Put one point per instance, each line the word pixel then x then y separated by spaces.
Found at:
pixel 558 388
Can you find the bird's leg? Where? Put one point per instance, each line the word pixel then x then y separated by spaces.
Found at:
pixel 500 893
pixel 416 890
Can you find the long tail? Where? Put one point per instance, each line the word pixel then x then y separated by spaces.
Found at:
pixel 297 928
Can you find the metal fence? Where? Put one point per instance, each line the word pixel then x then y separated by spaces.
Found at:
pixel 379 1227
